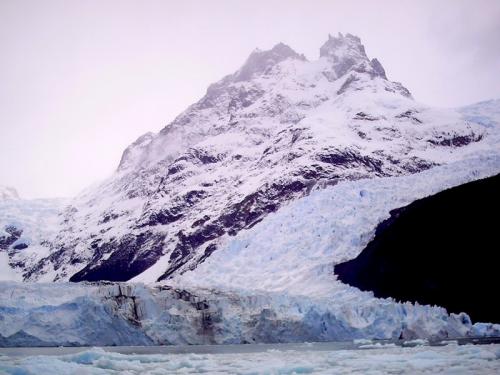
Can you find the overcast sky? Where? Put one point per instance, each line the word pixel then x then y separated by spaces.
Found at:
pixel 80 80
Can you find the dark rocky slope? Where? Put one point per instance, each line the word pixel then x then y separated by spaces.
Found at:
pixel 441 250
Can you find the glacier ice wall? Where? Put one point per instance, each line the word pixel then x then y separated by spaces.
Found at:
pixel 120 314
pixel 272 283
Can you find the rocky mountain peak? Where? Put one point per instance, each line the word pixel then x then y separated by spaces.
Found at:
pixel 260 61
pixel 347 53
pixel 336 47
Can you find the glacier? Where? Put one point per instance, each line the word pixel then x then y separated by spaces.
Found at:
pixel 296 248
pixel 134 314
pixel 243 294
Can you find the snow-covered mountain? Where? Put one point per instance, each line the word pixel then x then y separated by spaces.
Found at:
pixel 7 192
pixel 241 207
pixel 272 132
pixel 26 225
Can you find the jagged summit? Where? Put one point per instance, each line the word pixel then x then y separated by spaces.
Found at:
pixel 334 47
pixel 267 85
pixel 346 53
pixel 260 61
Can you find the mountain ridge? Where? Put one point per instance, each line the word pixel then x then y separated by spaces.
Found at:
pixel 270 133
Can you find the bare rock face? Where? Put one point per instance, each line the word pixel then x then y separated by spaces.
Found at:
pixel 346 53
pixel 378 69
pixel 269 133
pixel 12 234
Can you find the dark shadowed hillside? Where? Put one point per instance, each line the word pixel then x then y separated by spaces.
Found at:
pixel 441 250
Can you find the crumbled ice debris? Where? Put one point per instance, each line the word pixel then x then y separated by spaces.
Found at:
pixel 362 341
pixel 468 359
pixel 378 345
pixel 449 342
pixel 486 329
pixel 416 342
